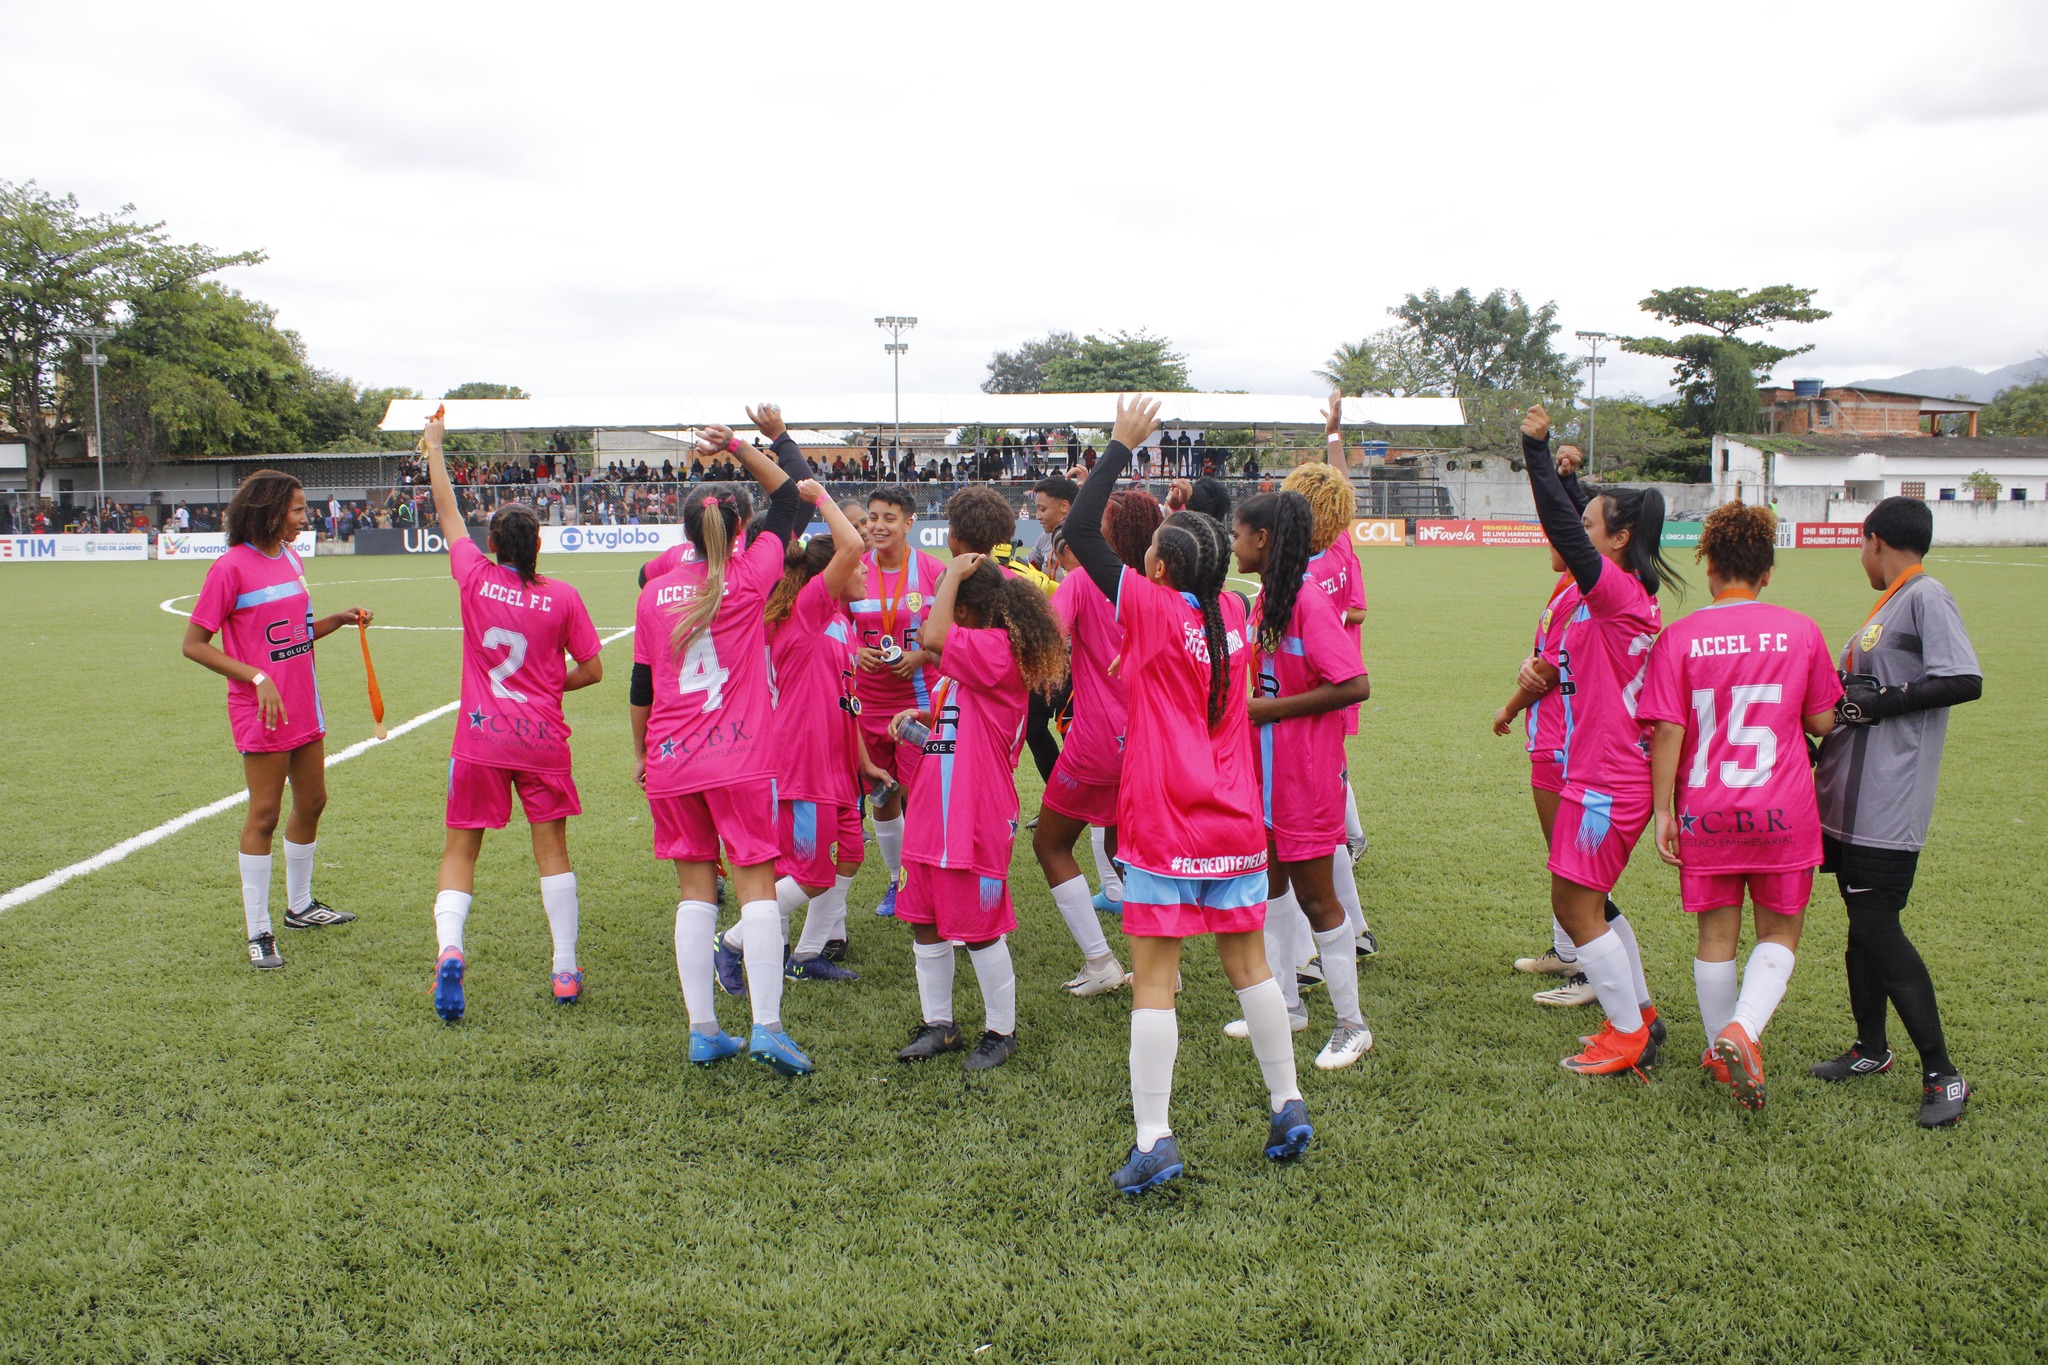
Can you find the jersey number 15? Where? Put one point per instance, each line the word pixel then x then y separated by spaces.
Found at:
pixel 1741 735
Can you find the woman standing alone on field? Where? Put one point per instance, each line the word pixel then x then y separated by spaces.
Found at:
pixel 255 597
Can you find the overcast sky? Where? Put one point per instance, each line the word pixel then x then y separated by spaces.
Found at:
pixel 609 198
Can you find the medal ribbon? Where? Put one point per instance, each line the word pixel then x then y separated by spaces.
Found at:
pixel 1897 583
pixel 907 574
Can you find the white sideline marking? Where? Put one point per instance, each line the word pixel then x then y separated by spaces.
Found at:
pixel 42 886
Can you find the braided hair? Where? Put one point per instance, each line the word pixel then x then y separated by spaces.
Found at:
pixel 1289 522
pixel 712 515
pixel 1196 553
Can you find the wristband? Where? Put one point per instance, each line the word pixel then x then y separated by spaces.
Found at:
pixel 732 447
pixel 259 679
pixel 1335 438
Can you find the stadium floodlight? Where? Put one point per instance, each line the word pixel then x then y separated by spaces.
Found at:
pixel 896 346
pixel 92 337
pixel 1593 364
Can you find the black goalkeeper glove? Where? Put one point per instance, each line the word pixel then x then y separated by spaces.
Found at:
pixel 1866 701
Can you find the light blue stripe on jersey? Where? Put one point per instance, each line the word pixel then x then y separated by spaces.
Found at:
pixel 1266 771
pixel 276 592
pixel 865 604
pixel 1217 893
pixel 1291 644
pixel 946 769
pixel 1582 613
pixel 837 630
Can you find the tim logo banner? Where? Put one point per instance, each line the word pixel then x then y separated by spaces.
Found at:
pixel 1379 533
pixel 70 549
pixel 1474 534
pixel 1829 535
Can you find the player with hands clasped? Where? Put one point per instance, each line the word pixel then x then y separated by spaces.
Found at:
pixel 995 641
pixel 1188 825
pixel 1909 662
pixel 701 709
pixel 1733 691
pixel 255 598
pixel 1612 552
pixel 510 733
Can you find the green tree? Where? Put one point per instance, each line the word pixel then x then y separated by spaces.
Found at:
pixel 1023 370
pixel 1387 362
pixel 62 270
pixel 1983 485
pixel 1734 406
pixel 2017 412
pixel 1458 344
pixel 1122 362
pixel 1633 439
pixel 1723 313
pixel 479 389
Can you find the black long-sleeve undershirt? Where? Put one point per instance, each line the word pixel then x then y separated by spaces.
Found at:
pixel 785 506
pixel 1084 521
pixel 1559 517
pixel 1576 491
pixel 1931 694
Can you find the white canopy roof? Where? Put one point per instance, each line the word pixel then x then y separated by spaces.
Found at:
pixel 667 412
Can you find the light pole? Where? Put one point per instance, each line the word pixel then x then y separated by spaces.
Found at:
pixel 92 337
pixel 896 346
pixel 1593 340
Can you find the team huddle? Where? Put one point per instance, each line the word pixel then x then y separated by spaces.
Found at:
pixel 786 690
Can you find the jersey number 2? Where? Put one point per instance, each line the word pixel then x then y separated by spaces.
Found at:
pixel 514 645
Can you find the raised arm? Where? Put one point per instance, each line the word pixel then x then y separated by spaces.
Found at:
pixel 445 509
pixel 847 545
pixel 1570 459
pixel 1554 506
pixel 933 637
pixel 1333 431
pixel 1135 420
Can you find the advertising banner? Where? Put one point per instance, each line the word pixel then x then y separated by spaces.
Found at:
pixel 212 545
pixel 72 549
pixel 1466 534
pixel 1834 535
pixel 1379 533
pixel 610 540
pixel 1684 535
pixel 413 540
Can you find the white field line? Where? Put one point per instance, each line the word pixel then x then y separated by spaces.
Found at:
pixel 42 886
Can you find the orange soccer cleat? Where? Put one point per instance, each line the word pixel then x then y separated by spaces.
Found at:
pixel 1745 1062
pixel 1716 1069
pixel 1611 1051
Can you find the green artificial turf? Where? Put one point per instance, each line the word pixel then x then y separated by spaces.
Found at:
pixel 206 1163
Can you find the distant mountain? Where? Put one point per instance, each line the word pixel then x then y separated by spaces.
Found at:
pixel 1951 380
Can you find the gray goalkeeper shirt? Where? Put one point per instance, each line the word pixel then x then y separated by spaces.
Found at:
pixel 1876 782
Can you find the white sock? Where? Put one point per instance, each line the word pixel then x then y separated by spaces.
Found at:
pixel 1077 908
pixel 1340 973
pixel 1605 963
pixel 1716 983
pixel 1265 1017
pixel 1283 955
pixel 694 923
pixel 256 892
pixel 889 839
pixel 298 874
pixel 998 978
pixel 831 906
pixel 1627 934
pixel 935 981
pixel 789 898
pixel 558 898
pixel 451 908
pixel 1560 940
pixel 1764 979
pixel 763 952
pixel 817 921
pixel 1105 866
pixel 1354 831
pixel 1346 878
pixel 1155 1042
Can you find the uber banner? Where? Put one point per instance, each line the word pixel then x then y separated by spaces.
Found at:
pixel 414 540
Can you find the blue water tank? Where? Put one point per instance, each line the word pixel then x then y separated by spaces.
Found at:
pixel 1806 388
pixel 1374 450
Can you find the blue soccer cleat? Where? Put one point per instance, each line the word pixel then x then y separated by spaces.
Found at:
pixel 448 985
pixel 1147 1171
pixel 706 1048
pixel 731 965
pixel 887 909
pixel 817 969
pixel 773 1049
pixel 1288 1134
pixel 1105 906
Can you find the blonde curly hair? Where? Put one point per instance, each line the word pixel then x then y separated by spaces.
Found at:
pixel 1330 497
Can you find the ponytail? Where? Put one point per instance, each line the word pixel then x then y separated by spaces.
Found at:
pixel 801 562
pixel 711 518
pixel 1196 553
pixel 1289 522
pixel 515 540
pixel 1640 512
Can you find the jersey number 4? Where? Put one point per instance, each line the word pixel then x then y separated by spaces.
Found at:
pixel 1741 735
pixel 701 673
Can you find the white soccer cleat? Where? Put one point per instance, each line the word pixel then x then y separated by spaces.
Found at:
pixel 1575 991
pixel 1346 1046
pixel 1096 978
pixel 1238 1029
pixel 1550 964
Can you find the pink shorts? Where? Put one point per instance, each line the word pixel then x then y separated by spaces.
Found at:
pixel 688 828
pixel 1186 907
pixel 480 796
pixel 808 832
pixel 883 750
pixel 1546 774
pixel 965 907
pixel 1781 893
pixel 1594 834
pixel 1092 803
pixel 1304 816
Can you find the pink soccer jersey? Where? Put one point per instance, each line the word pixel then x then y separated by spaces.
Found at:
pixel 1544 720
pixel 1739 676
pixel 1337 573
pixel 514 635
pixel 1601 655
pixel 1093 751
pixel 1306 752
pixel 812 657
pixel 668 561
pixel 261 610
pixel 1188 805
pixel 898 604
pixel 962 813
pixel 708 726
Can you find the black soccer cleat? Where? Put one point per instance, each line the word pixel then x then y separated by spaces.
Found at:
pixel 263 954
pixel 1850 1065
pixel 929 1040
pixel 1942 1099
pixel 834 950
pixel 992 1051
pixel 315 916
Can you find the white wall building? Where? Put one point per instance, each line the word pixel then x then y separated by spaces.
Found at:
pixel 1865 469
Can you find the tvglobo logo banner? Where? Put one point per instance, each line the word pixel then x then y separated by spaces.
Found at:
pixel 601 540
